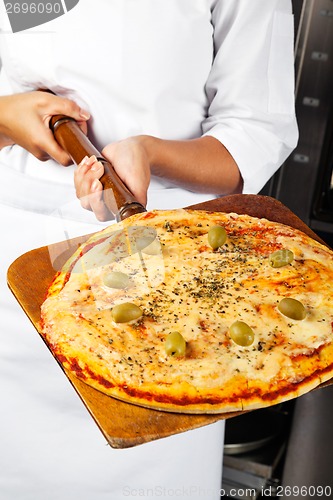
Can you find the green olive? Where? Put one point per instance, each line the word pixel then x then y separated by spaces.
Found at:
pixel 292 308
pixel 175 344
pixel 217 236
pixel 116 279
pixel 241 333
pixel 281 258
pixel 126 312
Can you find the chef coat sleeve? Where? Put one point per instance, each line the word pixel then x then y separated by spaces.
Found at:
pixel 251 86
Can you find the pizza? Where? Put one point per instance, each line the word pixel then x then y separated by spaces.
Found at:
pixel 195 312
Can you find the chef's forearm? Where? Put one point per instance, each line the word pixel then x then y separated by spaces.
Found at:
pixel 202 165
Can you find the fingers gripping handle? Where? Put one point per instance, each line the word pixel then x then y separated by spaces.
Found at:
pixel 117 197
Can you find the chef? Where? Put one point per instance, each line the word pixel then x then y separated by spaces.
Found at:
pixel 189 99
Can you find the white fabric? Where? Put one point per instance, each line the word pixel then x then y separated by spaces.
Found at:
pixel 170 68
pixel 148 66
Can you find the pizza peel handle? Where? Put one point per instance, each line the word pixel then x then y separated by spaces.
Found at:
pixel 117 197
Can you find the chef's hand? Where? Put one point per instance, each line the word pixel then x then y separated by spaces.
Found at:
pixel 202 165
pixel 132 164
pixel 24 120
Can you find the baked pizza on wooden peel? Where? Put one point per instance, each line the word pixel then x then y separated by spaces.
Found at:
pixel 195 312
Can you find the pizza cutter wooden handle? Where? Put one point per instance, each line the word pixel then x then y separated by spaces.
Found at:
pixel 117 197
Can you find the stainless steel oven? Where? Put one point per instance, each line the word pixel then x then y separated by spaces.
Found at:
pixel 305 182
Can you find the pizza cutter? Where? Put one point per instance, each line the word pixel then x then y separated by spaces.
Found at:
pixel 117 197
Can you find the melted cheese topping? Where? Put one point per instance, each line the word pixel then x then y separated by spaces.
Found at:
pixel 186 286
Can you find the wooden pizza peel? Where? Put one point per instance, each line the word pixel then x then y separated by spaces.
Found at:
pixel 123 425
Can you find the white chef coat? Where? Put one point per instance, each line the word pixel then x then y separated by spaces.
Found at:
pixel 175 69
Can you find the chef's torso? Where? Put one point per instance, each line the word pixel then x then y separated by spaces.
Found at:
pixel 175 69
pixel 138 67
